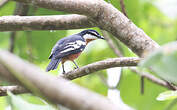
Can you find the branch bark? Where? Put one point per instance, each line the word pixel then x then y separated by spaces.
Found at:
pixel 100 65
pixel 114 62
pixel 13 89
pixel 57 90
pixel 3 2
pixel 106 17
pixel 56 22
pixel 90 68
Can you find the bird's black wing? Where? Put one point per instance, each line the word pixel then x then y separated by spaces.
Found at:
pixel 69 45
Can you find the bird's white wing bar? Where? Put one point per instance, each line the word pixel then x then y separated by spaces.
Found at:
pixel 67 50
pixel 73 46
pixel 79 42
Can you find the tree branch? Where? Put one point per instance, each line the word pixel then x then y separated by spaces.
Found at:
pixel 90 68
pixel 12 41
pixel 111 44
pixel 106 17
pixel 123 7
pixel 13 89
pixel 21 10
pixel 57 22
pixel 100 65
pixel 57 90
pixel 154 79
pixel 3 2
pixel 149 76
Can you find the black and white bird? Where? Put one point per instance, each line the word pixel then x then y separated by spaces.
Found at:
pixel 69 48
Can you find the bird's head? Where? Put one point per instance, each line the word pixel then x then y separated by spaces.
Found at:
pixel 90 35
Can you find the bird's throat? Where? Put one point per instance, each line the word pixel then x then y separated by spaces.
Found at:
pixel 88 40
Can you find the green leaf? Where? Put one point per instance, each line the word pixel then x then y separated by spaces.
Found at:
pixel 167 95
pixel 163 62
pixel 151 59
pixel 19 104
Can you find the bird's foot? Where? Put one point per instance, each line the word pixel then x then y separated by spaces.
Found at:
pixel 76 67
pixel 63 72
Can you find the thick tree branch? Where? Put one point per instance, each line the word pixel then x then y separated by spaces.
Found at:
pixel 57 90
pixel 13 89
pixel 106 17
pixel 100 65
pixel 60 22
pixel 90 68
pixel 3 2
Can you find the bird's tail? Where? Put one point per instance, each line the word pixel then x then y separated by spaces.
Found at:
pixel 53 64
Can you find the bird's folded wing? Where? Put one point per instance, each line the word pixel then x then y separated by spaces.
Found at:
pixel 69 48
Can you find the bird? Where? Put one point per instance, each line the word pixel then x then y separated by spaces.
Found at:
pixel 70 47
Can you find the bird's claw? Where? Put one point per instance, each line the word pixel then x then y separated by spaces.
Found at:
pixel 76 67
pixel 63 72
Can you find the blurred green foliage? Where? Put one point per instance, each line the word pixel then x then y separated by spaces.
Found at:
pixel 163 61
pixel 17 103
pixel 167 95
pixel 35 46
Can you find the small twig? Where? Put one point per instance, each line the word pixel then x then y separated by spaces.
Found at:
pixel 142 84
pixel 123 7
pixel 3 2
pixel 154 79
pixel 12 41
pixel 169 84
pixel 111 44
pixel 22 10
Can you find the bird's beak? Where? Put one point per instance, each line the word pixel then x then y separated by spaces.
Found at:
pixel 101 37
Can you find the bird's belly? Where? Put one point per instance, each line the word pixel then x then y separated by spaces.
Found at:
pixel 71 57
